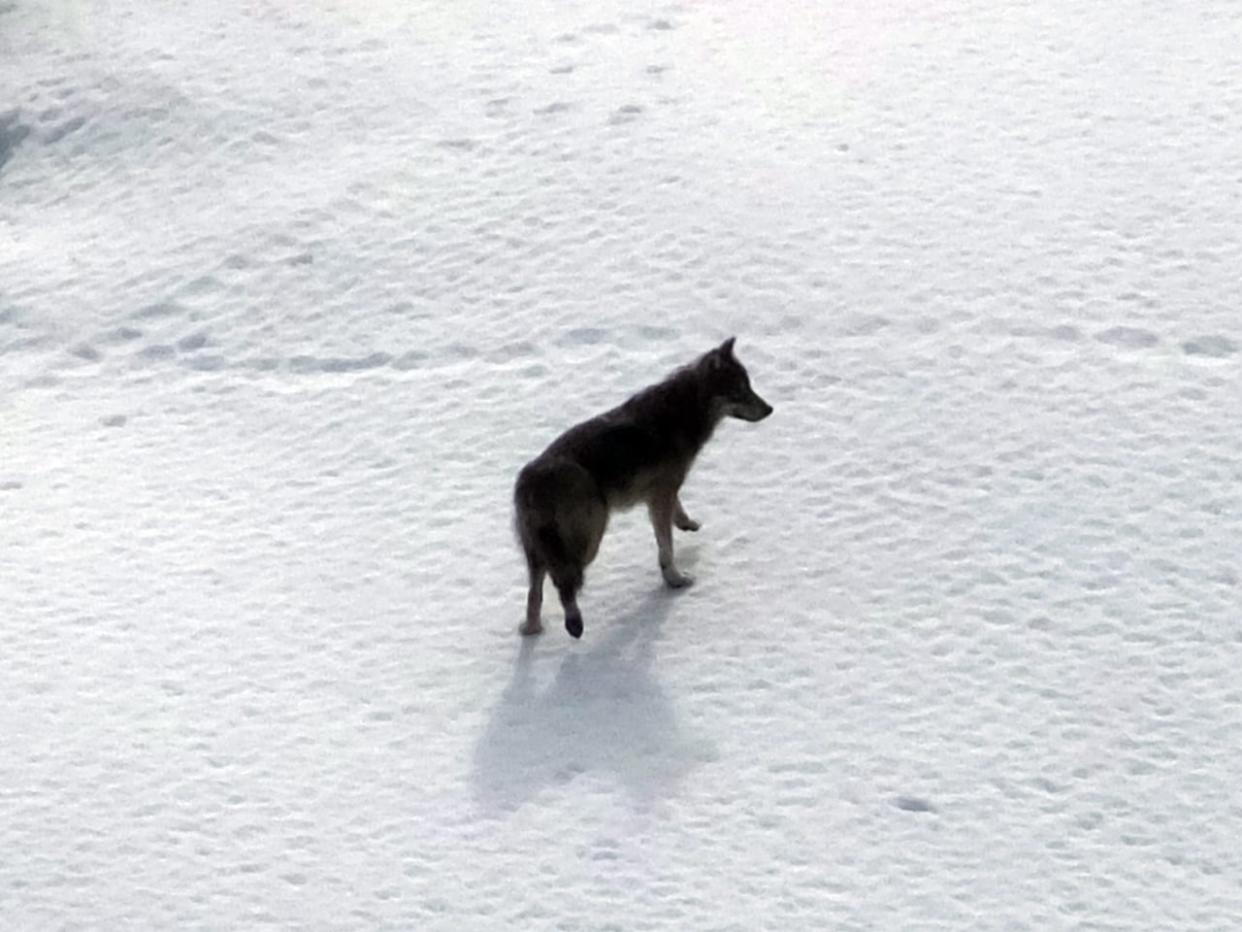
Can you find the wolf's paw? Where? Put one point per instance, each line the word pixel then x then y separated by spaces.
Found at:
pixel 688 524
pixel 677 580
pixel 527 628
pixel 573 625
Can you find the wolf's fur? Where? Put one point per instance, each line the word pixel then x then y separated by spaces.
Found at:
pixel 637 452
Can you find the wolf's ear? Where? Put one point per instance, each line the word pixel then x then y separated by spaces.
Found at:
pixel 726 348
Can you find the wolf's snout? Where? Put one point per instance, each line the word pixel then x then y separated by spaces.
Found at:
pixel 756 409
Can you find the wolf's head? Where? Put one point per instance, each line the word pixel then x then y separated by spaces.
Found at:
pixel 729 385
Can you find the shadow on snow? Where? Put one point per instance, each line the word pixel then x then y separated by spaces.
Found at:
pixel 604 711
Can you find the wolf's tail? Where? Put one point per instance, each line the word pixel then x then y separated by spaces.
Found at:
pixel 566 572
pixel 539 530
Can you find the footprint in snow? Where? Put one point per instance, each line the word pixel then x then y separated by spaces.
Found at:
pixel 1214 346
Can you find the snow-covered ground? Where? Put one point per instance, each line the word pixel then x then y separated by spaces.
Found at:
pixel 289 292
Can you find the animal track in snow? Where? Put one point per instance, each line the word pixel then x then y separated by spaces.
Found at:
pixel 1214 346
pixel 12 133
pixel 121 335
pixel 583 336
pixel 194 341
pixel 57 133
pixel 864 325
pixel 158 310
pixel 303 364
pixel 625 114
pixel 1128 337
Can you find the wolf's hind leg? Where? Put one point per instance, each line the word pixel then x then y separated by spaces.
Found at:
pixel 681 520
pixel 567 577
pixel 534 601
pixel 573 615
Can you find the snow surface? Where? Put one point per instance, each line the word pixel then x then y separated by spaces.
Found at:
pixel 289 292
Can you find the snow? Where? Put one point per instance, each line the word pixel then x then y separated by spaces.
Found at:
pixel 288 293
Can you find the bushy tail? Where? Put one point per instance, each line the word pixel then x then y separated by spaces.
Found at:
pixel 566 573
pixel 541 537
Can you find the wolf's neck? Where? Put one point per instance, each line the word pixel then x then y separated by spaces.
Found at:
pixel 686 409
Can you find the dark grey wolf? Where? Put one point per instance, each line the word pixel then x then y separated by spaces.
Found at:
pixel 637 452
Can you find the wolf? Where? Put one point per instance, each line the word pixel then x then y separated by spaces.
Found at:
pixel 639 451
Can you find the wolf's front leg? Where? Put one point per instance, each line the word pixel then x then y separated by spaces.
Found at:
pixel 661 510
pixel 681 520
